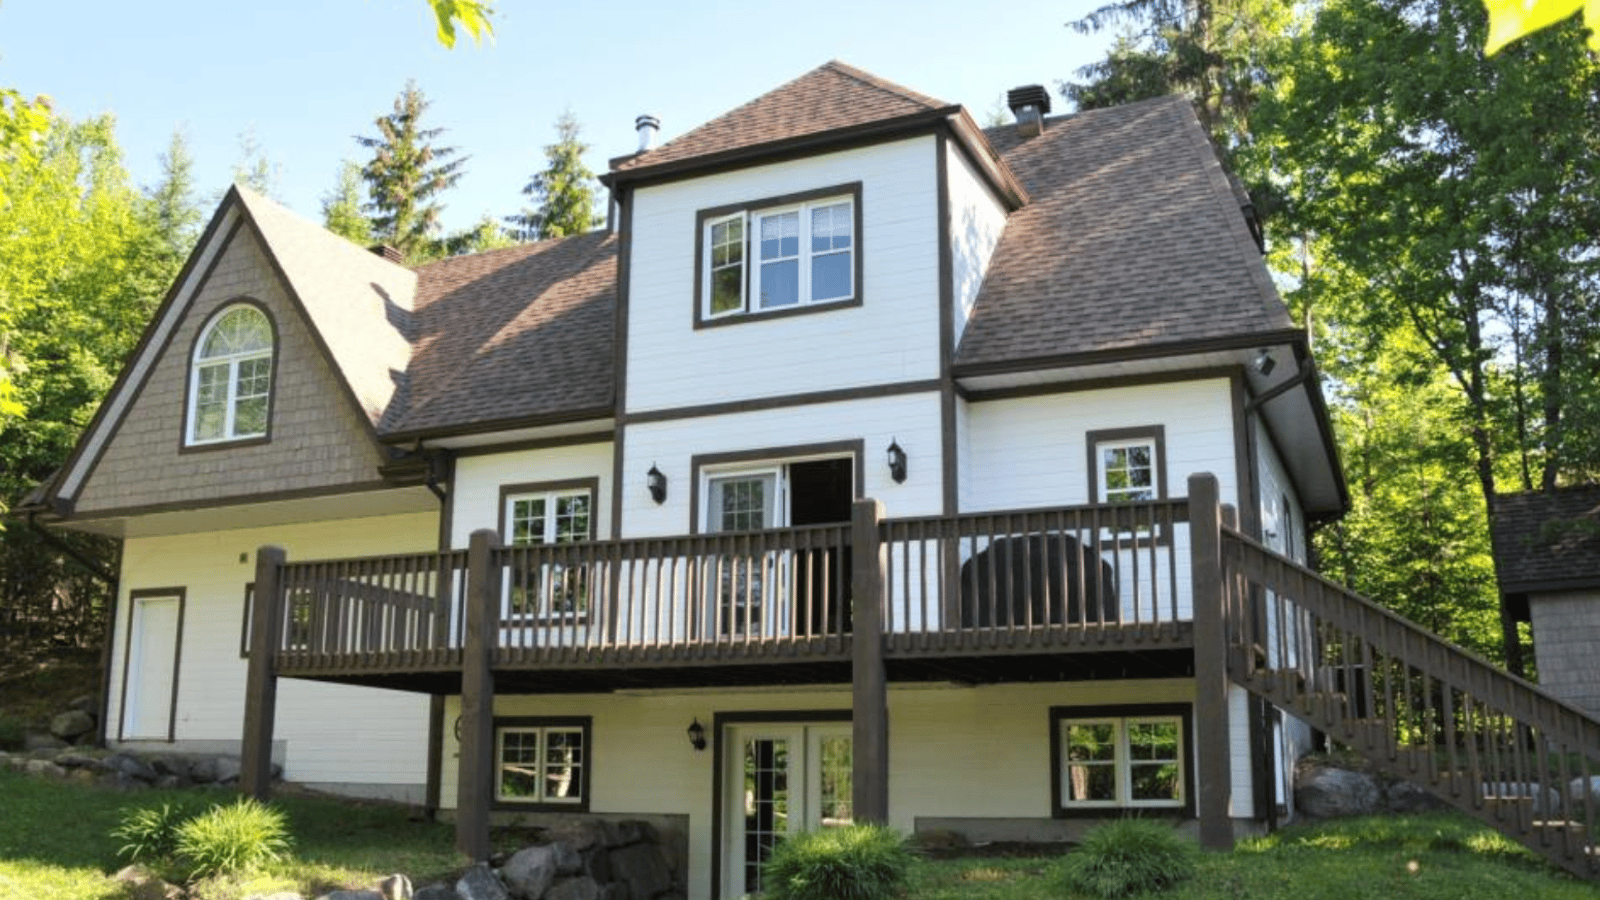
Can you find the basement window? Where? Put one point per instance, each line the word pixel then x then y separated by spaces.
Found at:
pixel 542 762
pixel 1121 758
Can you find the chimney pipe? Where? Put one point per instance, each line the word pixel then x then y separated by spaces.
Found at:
pixel 1030 104
pixel 647 125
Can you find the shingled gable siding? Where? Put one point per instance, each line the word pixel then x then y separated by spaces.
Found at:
pixel 317 440
pixel 356 740
pixel 891 337
pixel 1566 629
pixel 976 220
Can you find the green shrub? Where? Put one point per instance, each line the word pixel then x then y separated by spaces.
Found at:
pixel 151 834
pixel 856 862
pixel 12 732
pixel 1129 856
pixel 232 839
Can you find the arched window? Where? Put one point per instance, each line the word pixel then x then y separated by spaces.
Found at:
pixel 230 381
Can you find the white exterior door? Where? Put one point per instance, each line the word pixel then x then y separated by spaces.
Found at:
pixel 780 779
pixel 152 668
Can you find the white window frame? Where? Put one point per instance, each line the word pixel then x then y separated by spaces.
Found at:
pixel 541 762
pixel 549 575
pixel 1108 494
pixel 1122 761
pixel 751 270
pixel 232 362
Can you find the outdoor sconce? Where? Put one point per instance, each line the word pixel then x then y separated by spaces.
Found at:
pixel 657 483
pixel 697 735
pixel 897 462
pixel 1264 363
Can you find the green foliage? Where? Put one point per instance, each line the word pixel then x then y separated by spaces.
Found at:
pixel 855 862
pixel 12 732
pixel 341 207
pixel 405 176
pixel 233 839
pixel 254 170
pixel 473 15
pixel 1127 857
pixel 150 834
pixel 564 193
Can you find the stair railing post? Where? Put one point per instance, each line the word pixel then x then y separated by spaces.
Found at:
pixel 475 772
pixel 261 680
pixel 1210 663
pixel 869 784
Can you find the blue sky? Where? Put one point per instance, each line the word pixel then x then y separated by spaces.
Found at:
pixel 305 76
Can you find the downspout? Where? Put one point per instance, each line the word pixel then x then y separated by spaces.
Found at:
pixel 109 636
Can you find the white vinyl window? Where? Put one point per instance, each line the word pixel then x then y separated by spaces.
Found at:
pixel 230 379
pixel 1127 470
pixel 763 260
pixel 550 592
pixel 545 764
pixel 1122 761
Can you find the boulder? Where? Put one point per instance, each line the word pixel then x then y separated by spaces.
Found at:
pixel 436 891
pixel 88 703
pixel 629 831
pixel 597 864
pixel 32 741
pixel 579 834
pixel 71 725
pixel 642 868
pixel 395 887
pixel 44 768
pixel 480 883
pixel 203 769
pixel 530 871
pixel 1403 797
pixel 129 765
pixel 168 765
pixel 227 769
pixel 140 883
pixel 568 860
pixel 350 895
pixel 279 895
pixel 1328 792
pixel 71 760
pixel 1546 801
pixel 580 888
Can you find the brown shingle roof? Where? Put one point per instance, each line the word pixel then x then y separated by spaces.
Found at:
pixel 510 336
pixel 1548 541
pixel 1133 238
pixel 829 97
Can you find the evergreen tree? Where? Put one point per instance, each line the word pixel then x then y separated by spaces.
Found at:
pixel 563 194
pixel 254 170
pixel 406 175
pixel 171 208
pixel 341 206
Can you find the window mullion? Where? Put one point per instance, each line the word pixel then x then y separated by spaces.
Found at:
pixel 1124 762
pixel 228 427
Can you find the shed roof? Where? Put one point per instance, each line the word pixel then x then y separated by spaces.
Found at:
pixel 1547 541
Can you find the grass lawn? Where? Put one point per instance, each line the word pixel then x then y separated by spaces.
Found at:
pixel 55 842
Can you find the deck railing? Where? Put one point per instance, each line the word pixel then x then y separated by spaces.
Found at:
pixel 989 579
pixel 1418 707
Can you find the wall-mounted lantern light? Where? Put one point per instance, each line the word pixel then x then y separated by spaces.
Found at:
pixel 697 735
pixel 1264 363
pixel 657 483
pixel 897 462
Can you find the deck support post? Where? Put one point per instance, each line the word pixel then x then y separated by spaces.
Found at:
pixel 869 776
pixel 1210 663
pixel 261 681
pixel 475 781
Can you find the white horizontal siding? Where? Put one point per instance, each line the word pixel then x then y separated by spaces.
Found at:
pixel 334 734
pixel 910 419
pixel 475 492
pixel 892 337
pixel 976 221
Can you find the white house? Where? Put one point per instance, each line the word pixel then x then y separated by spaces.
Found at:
pixel 1020 343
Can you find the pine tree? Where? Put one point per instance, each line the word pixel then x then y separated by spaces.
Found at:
pixel 170 206
pixel 405 175
pixel 254 170
pixel 341 206
pixel 564 193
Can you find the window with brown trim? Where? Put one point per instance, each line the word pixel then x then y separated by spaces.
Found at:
pixel 230 377
pixel 540 591
pixel 779 255
pixel 1121 757
pixel 542 763
pixel 1127 464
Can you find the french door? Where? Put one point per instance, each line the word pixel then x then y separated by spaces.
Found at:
pixel 779 779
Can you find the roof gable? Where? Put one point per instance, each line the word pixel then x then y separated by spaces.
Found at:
pixel 831 97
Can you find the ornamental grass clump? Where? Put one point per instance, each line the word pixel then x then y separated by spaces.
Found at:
pixel 855 862
pixel 1127 857
pixel 150 835
pixel 232 839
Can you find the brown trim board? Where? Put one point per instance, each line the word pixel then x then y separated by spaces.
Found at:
pixel 565 440
pixel 1248 341
pixel 145 343
pixel 335 490
pixel 949 490
pixel 434 777
pixel 1184 711
pixel 720 754
pixel 224 308
pixel 624 199
pixel 855 448
pixel 134 596
pixel 758 404
pixel 586 723
pixel 1140 379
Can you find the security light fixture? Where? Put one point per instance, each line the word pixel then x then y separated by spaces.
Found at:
pixel 657 483
pixel 897 462
pixel 1264 363
pixel 697 735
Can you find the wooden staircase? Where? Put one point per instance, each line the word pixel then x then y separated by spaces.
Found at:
pixel 1417 707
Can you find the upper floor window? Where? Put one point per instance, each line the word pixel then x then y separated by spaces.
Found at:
pixel 538 590
pixel 230 379
pixel 1126 465
pixel 781 254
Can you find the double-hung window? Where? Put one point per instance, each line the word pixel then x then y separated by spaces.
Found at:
pixel 545 590
pixel 542 762
pixel 1121 757
pixel 1127 465
pixel 230 377
pixel 787 253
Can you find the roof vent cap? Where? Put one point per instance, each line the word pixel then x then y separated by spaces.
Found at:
pixel 647 125
pixel 1030 104
pixel 389 253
